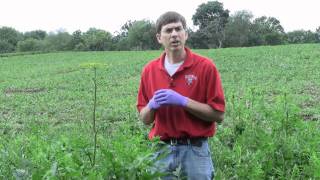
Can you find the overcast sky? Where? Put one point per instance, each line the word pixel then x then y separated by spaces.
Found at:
pixel 71 15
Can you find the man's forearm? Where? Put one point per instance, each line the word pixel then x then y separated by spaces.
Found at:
pixel 204 111
pixel 147 115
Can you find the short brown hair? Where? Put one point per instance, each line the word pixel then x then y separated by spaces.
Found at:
pixel 170 17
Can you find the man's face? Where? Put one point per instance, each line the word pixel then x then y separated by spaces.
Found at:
pixel 173 36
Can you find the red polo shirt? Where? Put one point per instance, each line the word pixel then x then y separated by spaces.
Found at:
pixel 198 79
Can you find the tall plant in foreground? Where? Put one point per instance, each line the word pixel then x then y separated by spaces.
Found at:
pixel 94 67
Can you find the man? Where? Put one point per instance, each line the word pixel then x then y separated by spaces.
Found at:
pixel 181 95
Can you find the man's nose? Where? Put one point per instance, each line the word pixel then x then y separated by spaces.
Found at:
pixel 174 32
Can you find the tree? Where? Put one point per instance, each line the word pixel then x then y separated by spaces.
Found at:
pixel 98 40
pixel 142 35
pixel 256 37
pixel 267 30
pixel 237 29
pixel 318 34
pixel 37 34
pixel 9 37
pixel 125 28
pixel 269 24
pixel 211 19
pixel 6 47
pixel 120 40
pixel 30 45
pixel 77 42
pixel 197 39
pixel 58 41
pixel 214 34
pixel 301 36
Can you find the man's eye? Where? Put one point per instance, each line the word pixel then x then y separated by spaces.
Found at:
pixel 178 29
pixel 169 30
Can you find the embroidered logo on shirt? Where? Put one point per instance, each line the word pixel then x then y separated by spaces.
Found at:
pixel 190 78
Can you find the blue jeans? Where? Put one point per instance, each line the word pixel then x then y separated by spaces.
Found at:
pixel 194 162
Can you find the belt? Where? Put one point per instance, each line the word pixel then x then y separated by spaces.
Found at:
pixel 186 141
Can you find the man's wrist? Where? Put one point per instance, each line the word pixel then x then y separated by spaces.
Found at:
pixel 152 105
pixel 185 101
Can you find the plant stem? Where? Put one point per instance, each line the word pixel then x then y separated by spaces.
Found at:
pixel 286 119
pixel 94 116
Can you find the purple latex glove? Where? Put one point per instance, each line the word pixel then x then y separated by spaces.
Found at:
pixel 170 97
pixel 153 104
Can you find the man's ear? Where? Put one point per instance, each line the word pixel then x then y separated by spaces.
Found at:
pixel 158 36
pixel 187 35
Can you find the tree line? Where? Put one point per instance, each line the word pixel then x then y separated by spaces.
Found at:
pixel 216 29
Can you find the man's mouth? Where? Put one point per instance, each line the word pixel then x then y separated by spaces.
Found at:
pixel 175 43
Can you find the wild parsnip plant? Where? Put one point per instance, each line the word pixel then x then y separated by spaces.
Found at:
pixel 94 67
pixel 271 127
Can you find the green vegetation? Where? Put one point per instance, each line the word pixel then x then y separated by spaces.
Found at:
pixel 271 129
pixel 217 28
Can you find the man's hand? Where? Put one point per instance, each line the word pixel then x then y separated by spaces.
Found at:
pixel 153 104
pixel 169 97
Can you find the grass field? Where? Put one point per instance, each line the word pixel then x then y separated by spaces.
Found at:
pixel 271 127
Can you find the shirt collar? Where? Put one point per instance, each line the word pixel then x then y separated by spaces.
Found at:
pixel 188 62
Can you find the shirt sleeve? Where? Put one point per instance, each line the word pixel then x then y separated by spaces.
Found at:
pixel 142 98
pixel 215 95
